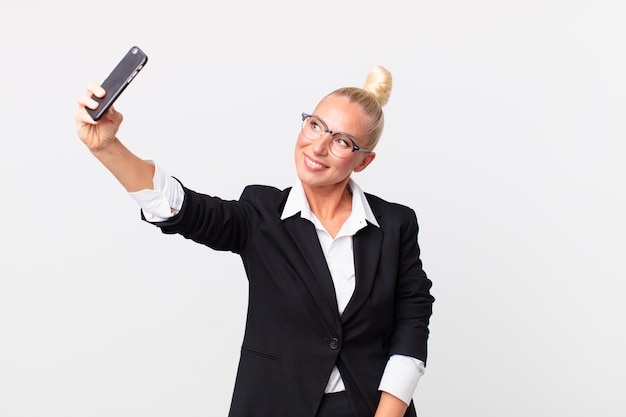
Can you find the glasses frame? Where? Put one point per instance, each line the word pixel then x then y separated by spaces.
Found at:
pixel 355 147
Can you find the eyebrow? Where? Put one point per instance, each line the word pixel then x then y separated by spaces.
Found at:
pixel 333 132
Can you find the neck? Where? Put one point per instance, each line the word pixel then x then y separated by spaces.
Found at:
pixel 332 205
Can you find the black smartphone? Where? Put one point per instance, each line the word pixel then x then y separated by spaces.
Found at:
pixel 118 80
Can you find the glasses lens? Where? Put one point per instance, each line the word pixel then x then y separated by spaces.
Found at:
pixel 312 128
pixel 341 146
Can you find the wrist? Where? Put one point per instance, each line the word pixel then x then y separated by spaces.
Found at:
pixel 102 150
pixel 390 406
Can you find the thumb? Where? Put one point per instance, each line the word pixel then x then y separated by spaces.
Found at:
pixel 115 116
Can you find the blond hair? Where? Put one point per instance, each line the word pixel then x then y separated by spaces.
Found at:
pixel 371 97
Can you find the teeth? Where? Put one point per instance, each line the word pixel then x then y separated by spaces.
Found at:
pixel 314 164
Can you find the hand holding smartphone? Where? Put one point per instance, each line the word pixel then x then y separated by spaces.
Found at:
pixel 118 80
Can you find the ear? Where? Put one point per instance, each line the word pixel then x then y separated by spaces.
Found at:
pixel 365 162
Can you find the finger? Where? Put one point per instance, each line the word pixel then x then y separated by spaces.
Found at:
pixel 96 90
pixel 83 117
pixel 88 102
pixel 115 116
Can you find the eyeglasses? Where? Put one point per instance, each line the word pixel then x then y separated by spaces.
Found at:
pixel 340 144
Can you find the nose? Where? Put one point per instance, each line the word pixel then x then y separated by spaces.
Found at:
pixel 320 146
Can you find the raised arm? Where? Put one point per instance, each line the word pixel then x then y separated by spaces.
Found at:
pixel 100 137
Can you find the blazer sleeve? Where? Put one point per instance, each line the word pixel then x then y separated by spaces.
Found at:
pixel 413 301
pixel 214 222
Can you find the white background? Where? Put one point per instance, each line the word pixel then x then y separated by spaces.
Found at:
pixel 505 132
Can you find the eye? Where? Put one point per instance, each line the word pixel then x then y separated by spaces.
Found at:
pixel 313 125
pixel 342 141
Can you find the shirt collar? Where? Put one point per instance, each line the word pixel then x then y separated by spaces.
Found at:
pixel 297 203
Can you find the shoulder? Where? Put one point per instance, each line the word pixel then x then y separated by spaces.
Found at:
pixel 395 219
pixel 265 196
pixel 264 191
pixel 384 208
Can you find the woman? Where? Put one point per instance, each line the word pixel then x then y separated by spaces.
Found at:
pixel 338 302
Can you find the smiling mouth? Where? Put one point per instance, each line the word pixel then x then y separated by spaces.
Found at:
pixel 313 164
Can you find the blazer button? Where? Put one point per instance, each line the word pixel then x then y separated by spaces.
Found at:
pixel 334 343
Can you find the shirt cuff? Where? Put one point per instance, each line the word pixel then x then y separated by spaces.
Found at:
pixel 164 201
pixel 401 376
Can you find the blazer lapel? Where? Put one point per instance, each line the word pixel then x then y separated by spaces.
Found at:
pixel 366 243
pixel 318 279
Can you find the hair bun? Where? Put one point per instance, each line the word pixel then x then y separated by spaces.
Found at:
pixel 378 83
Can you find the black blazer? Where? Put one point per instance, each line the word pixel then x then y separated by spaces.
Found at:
pixel 294 334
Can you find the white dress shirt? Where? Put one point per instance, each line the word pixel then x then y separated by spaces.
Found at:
pixel 402 373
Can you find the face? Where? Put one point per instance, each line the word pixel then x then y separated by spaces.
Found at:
pixel 315 164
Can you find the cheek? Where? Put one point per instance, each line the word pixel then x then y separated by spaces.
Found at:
pixel 301 142
pixel 299 146
pixel 355 162
pixel 343 165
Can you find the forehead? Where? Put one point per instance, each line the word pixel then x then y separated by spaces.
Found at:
pixel 342 116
